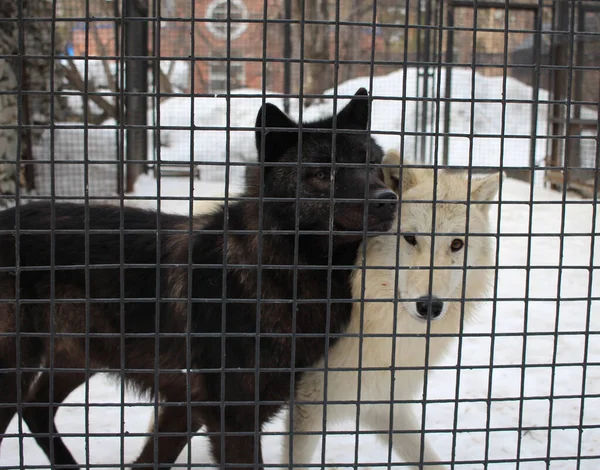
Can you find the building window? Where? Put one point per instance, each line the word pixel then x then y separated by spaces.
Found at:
pixel 217 11
pixel 218 76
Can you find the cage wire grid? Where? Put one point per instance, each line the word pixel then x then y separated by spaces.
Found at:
pixel 122 104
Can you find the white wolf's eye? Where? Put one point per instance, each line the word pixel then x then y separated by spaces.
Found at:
pixel 411 239
pixel 457 244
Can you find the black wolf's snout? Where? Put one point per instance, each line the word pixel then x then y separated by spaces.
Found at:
pixel 429 307
pixel 383 204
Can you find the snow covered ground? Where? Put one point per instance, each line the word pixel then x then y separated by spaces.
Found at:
pixel 533 378
pixel 482 102
pixel 389 118
pixel 223 128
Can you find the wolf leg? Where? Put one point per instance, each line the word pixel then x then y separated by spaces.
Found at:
pixel 407 444
pixel 172 420
pixel 238 443
pixel 11 378
pixel 162 449
pixel 8 394
pixel 306 419
pixel 307 430
pixel 38 418
pixel 156 412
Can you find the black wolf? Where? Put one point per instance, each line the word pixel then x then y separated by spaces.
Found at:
pixel 276 263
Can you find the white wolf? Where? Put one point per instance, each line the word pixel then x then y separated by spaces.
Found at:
pixel 430 303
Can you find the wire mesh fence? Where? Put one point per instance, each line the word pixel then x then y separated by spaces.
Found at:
pixel 308 233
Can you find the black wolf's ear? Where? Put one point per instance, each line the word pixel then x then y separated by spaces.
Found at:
pixel 276 142
pixel 355 114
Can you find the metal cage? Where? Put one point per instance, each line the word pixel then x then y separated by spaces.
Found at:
pixel 153 104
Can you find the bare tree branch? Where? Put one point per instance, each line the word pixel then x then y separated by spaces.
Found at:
pixel 165 82
pixel 74 77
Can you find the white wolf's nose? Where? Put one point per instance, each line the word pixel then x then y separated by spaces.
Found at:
pixel 429 307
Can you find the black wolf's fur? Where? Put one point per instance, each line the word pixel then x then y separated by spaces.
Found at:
pixel 229 335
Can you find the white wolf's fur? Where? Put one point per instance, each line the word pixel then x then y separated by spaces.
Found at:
pixel 378 317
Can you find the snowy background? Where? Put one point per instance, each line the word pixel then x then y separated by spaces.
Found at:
pixel 524 364
pixel 396 111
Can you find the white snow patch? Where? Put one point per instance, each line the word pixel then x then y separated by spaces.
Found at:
pixel 221 129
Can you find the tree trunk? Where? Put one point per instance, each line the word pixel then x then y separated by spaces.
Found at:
pixel 8 136
pixel 27 74
pixel 8 104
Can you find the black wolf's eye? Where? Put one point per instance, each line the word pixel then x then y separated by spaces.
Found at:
pixel 411 239
pixel 321 175
pixel 457 244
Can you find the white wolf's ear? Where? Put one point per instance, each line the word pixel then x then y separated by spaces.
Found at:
pixel 485 189
pixel 391 175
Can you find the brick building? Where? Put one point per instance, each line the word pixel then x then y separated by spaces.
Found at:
pixel 172 37
pixel 96 33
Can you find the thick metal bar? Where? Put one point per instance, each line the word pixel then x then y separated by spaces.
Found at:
pixel 559 54
pixel 287 54
pixel 136 85
pixel 448 84
pixel 492 4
